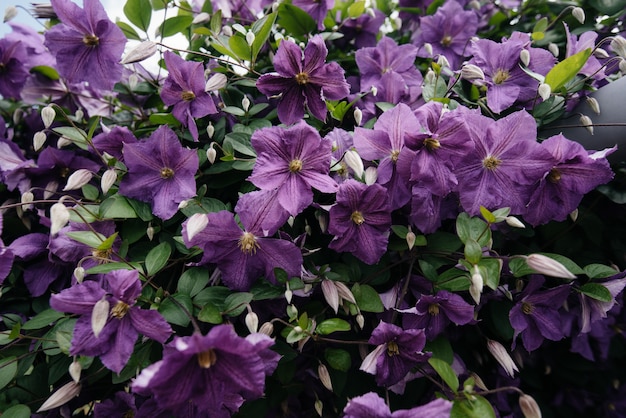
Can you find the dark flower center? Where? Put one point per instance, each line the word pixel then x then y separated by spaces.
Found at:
pixel 247 243
pixel 295 166
pixel 119 310
pixel 433 309
pixel 491 162
pixel 431 144
pixel 394 155
pixel 167 173
pixel 64 172
pixel 357 217
pixel 501 76
pixel 392 349
pixel 554 176
pixel 206 358
pixel 129 414
pixel 91 40
pixel 187 95
pixel 102 255
pixel 446 40
pixel 302 78
pixel 527 308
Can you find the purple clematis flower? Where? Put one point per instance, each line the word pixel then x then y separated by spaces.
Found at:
pixel 112 142
pixel 362 30
pixel 505 164
pixel 6 256
pixel 12 165
pixel 574 173
pixel 216 372
pixel 292 160
pixel 536 314
pixel 13 72
pixel 360 220
pixel 304 80
pixel 184 90
pixel 397 352
pixel 117 293
pixel 317 9
pixel 86 45
pixel 243 255
pixel 160 172
pixel 592 68
pixel 371 405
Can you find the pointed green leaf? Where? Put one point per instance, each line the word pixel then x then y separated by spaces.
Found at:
pixel 236 303
pixel 567 69
pixel 92 239
pixel 174 25
pixel 43 319
pixel 473 251
pixel 367 298
pixel 295 21
pixel 599 271
pixel 139 13
pixel 262 29
pixel 210 313
pixel 17 411
pixel 107 243
pixel 157 258
pixel 240 47
pixel 474 407
pixel 596 291
pixel 332 325
pixel 486 213
pixel 444 370
pixel 338 359
pixel 173 313
pixel 129 31
pixel 8 370
pixel 193 281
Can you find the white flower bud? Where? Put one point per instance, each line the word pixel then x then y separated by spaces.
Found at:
pixel 278 37
pixel 374 90
pixel 227 31
pixel 252 322
pixel 245 103
pixel 267 328
pixel 288 295
pixel 297 329
pixel 211 154
pixel 502 356
pixel 50 189
pixel 210 130
pixel 144 50
pixel 61 396
pixel 430 77
pixel 344 292
pixel 63 141
pixel 9 13
pixel 183 204
pixel 587 123
pixel 594 105
pixel 250 37
pixel 17 116
pixel 529 406
pixel 358 116
pixel 524 56
pixel 201 18
pixel 107 180
pixel 324 376
pixel 79 114
pixel 360 320
pixel 47 116
pixel 196 224
pixel 133 80
pixel 59 217
pixel 429 49
pixel 216 82
pixel 579 14
pixel 75 369
pixel 329 290
pixel 150 232
pixel 239 28
pixel 544 91
pixel 443 62
pixel 512 221
pixel 26 199
pixel 371 175
pixel 618 45
pixel 574 215
pixel 38 140
pixel 319 407
pixel 79 274
pixel 548 266
pixel 353 160
pixel 601 53
pixel 622 65
pixel 410 238
pixel 476 288
pixel 78 179
pixel 471 72
pixel 553 48
pixel 322 220
pixel 99 316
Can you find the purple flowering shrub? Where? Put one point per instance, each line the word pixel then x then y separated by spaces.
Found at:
pixel 312 208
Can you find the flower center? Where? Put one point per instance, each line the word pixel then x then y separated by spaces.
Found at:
pixel 102 255
pixel 431 144
pixel 357 217
pixel 491 162
pixel 167 173
pixel 187 95
pixel 446 40
pixel 554 176
pixel 392 349
pixel 206 358
pixel 302 78
pixel 64 172
pixel 129 414
pixel 91 40
pixel 501 76
pixel 119 310
pixel 247 243
pixel 433 309
pixel 394 155
pixel 527 308
pixel 295 166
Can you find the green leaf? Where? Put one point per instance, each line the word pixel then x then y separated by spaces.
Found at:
pixel 338 359
pixel 367 299
pixel 192 281
pixel 295 21
pixel 216 22
pixel 117 207
pixel 473 251
pixel 210 313
pixel 173 313
pixel 8 370
pixel 163 119
pixel 472 227
pixel 490 269
pixel 356 9
pixel 596 291
pixel 608 7
pixel 567 69
pixel 139 13
pixel 240 47
pixel 174 25
pixel 17 411
pixel 107 243
pixel 519 268
pixel 130 33
pixel 157 258
pixel 400 230
pixel 444 370
pixel 90 192
pixel 474 407
pixel 599 271
pixel 43 319
pixel 486 213
pixel 541 25
pixel 332 325
pixel 77 136
pixel 89 238
pixel 235 303
pixel 262 29
pixel 108 267
pixel 441 349
pixel 44 70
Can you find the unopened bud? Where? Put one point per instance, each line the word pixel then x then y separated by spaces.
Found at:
pixel 133 80
pixel 216 82
pixel 548 266
pixel 245 103
pixel 18 115
pixel 75 369
pixel 50 189
pixel 529 406
pixel 371 175
pixel 553 48
pixel 62 396
pixel 201 18
pixel 512 221
pixel 99 316
pixel 150 232
pixel 618 45
pixel 476 288
pixel 329 290
pixel 574 215
pixel 59 217
pixel 210 130
pixel 288 295
pixel 196 224
pixel 267 328
pixel 429 49
pixel 183 204
pixel 594 105
pixel 374 90
pixel 360 320
pixel 322 220
pixel 227 31
pixel 79 114
pixel 63 141
pixel 78 179
pixel 587 123
pixel 144 50
pixel 107 180
pixel 26 199
pixel 9 13
pixel 430 77
pixel 79 274
pixel 622 65
pixel 211 154
pixel 502 356
pixel 471 72
pixel 524 56
pixel 47 116
pixel 38 140
pixel 344 292
pixel 410 238
pixel 353 161
pixel 324 376
pixel 443 62
pixel 544 91
pixel 601 53
pixel 250 37
pixel 579 14
pixel 358 116
pixel 252 322
pixel 319 407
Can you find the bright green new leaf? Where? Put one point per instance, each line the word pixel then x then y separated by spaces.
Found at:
pixel 332 325
pixel 567 69
pixel 211 314
pixel 444 370
pixel 139 12
pixel 107 243
pixel 486 213
pixel 49 72
pixel 174 25
pixel 90 238
pixel 473 251
pixel 476 407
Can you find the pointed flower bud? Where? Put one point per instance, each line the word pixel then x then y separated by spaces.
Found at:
pixel 553 48
pixel 512 221
pixel 353 160
pixel 183 204
pixel 250 37
pixel 267 328
pixel 587 123
pixel 360 320
pixel 358 116
pixel 75 370
pixel 344 292
pixel 50 189
pixel 502 356
pixel 196 223
pixel 374 90
pixel 476 288
pixel 62 396
pixel 107 180
pixel 548 266
pixel 579 14
pixel 133 80
pixel 544 91
pixel 618 45
pixel 211 154
pixel 574 215
pixel 59 217
pixel 63 141
pixel 371 175
pixel 216 82
pixel 601 53
pixel 471 72
pixel 529 406
pixel 201 18
pixel 319 407
pixel 324 376
pixel 329 290
pixel 99 316
pixel 210 130
pixel 524 56
pixel 79 114
pixel 429 49
pixel 443 62
pixel 9 13
pixel 78 179
pixel 245 103
pixel 27 198
pixel 150 232
pixel 38 140
pixel 594 105
pixel 47 116
pixel 144 50
pixel 252 322
pixel 410 238
pixel 79 274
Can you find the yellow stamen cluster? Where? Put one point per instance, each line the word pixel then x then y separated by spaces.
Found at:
pixel 357 217
pixel 302 78
pixel 247 243
pixel 392 349
pixel 120 310
pixel 501 76
pixel 491 162
pixel 295 166
pixel 554 176
pixel 527 308
pixel 206 358
pixel 433 309
pixel 91 40
pixel 187 95
pixel 167 173
pixel 431 144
